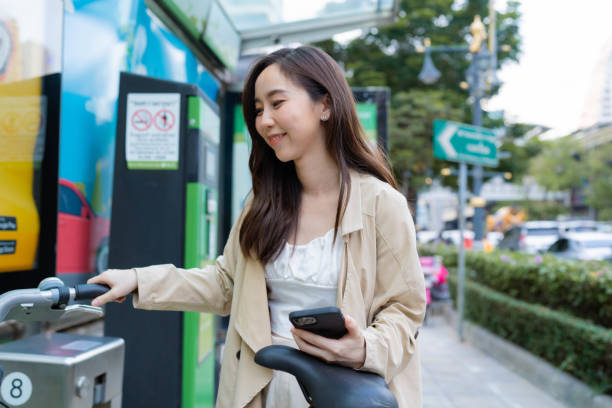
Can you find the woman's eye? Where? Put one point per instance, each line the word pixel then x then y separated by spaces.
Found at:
pixel 276 104
pixel 258 112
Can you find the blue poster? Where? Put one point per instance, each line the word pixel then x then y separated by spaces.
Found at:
pixel 101 39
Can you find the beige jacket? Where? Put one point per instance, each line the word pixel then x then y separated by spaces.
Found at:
pixel 380 285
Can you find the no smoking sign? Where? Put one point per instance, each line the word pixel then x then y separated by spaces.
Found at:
pixel 141 120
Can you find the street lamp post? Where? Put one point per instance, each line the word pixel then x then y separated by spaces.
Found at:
pixel 480 76
pixel 481 61
pixel 476 79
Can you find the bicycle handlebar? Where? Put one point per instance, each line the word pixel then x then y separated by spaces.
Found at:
pixel 89 291
pixel 49 301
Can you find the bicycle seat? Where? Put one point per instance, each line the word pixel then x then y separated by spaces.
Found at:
pixel 326 385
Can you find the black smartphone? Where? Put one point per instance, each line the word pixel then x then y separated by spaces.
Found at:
pixel 324 321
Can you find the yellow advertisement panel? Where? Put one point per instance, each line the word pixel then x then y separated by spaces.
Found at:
pixel 22 123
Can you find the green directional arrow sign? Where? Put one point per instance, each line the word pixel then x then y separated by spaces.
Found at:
pixel 464 143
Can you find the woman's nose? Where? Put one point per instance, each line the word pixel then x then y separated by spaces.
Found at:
pixel 266 118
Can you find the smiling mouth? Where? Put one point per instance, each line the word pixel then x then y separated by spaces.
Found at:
pixel 274 139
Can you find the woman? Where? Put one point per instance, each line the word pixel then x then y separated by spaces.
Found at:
pixel 324 226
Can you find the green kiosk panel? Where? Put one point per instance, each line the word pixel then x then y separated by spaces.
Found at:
pixel 164 211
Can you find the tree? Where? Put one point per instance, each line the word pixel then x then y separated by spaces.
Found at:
pixel 521 150
pixel 558 167
pixel 387 56
pixel 599 189
pixel 410 140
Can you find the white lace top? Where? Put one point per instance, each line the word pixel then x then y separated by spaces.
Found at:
pixel 304 279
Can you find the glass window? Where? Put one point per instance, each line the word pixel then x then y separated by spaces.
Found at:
pixel 585 229
pixel 69 201
pixel 597 244
pixel 542 231
pixel 559 246
pixel 30 38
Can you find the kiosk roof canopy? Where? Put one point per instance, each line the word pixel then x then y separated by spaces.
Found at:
pixel 263 23
pixel 220 31
pixel 253 14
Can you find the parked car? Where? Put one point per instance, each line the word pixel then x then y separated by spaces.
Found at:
pixel 82 245
pixel 604 227
pixel 578 226
pixel 591 246
pixel 539 235
pixel 454 237
pixel 494 238
pixel 426 236
pixel 513 239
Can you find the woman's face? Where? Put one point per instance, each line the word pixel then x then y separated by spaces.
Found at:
pixel 286 117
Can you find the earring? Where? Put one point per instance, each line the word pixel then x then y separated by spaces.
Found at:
pixel 324 117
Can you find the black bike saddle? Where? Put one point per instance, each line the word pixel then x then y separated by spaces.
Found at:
pixel 326 385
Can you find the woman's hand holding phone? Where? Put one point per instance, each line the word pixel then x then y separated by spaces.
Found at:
pixel 121 281
pixel 348 350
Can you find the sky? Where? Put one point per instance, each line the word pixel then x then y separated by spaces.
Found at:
pixel 562 42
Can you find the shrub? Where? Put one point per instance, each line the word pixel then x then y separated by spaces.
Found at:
pixel 580 288
pixel 574 345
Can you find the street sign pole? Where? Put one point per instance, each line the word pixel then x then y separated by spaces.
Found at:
pixel 464 144
pixel 461 283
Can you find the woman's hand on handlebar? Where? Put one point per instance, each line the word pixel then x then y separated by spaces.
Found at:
pixel 122 282
pixel 348 351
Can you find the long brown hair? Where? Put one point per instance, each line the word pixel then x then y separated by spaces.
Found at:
pixel 273 213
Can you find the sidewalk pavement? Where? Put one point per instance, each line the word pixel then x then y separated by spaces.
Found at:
pixel 457 375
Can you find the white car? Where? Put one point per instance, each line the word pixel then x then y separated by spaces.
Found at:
pixel 453 236
pixel 605 227
pixel 494 237
pixel 425 236
pixel 588 246
pixel 539 235
pixel 578 226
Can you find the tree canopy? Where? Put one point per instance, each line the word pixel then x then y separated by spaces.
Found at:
pixel 565 164
pixel 599 189
pixel 559 166
pixel 387 56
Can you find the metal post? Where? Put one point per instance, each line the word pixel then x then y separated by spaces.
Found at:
pixel 461 283
pixel 492 34
pixel 478 219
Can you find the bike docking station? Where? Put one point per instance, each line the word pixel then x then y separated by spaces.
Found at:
pixel 165 195
pixel 57 369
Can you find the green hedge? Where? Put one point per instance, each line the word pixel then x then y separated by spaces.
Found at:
pixel 580 288
pixel 573 345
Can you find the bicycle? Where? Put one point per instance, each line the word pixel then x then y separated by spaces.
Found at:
pixel 320 382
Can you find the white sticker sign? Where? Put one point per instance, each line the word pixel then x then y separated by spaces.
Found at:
pixel 152 131
pixel 16 388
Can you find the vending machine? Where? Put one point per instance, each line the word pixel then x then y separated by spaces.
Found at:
pixel 165 194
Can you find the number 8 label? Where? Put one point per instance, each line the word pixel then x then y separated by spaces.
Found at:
pixel 16 389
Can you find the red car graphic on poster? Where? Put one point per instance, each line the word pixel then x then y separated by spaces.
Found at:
pixel 82 237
